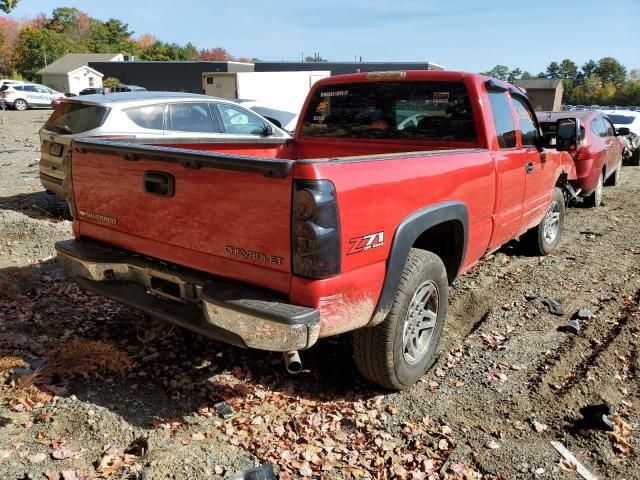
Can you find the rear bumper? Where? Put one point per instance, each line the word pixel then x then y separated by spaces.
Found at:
pixel 52 184
pixel 228 311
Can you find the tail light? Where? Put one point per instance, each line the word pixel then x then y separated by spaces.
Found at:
pixel 315 229
pixel 586 153
pixel 67 183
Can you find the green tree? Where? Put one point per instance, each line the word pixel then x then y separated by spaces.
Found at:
pixel 553 70
pixel 568 69
pixel 317 58
pixel 514 75
pixel 37 47
pixel 611 70
pixel 111 36
pixel 111 82
pixel 7 5
pixel 501 72
pixel 589 68
pixel 526 75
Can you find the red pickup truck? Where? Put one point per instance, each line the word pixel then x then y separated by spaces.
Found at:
pixel 393 185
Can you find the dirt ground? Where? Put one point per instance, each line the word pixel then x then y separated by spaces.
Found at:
pixel 89 390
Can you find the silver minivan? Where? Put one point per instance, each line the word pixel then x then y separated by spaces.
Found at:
pixel 147 117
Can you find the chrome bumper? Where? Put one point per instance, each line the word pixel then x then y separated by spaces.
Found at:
pixel 217 308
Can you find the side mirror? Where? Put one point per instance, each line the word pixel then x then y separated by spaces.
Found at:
pixel 623 131
pixel 568 134
pixel 267 131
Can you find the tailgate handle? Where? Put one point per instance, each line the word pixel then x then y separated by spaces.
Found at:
pixel 159 183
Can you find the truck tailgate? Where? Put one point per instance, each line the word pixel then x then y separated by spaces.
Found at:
pixel 214 212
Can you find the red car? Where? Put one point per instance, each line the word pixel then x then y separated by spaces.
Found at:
pixel 598 157
pixel 394 184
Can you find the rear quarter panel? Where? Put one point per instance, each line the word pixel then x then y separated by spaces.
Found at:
pixel 376 196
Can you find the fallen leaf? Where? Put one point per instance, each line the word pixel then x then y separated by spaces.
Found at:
pixel 197 437
pixel 539 427
pixel 492 444
pixel 62 453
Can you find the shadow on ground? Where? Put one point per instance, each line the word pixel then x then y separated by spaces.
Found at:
pixel 39 205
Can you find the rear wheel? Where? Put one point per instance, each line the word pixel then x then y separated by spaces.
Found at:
pixel 396 353
pixel 543 238
pixel 595 199
pixel 20 105
pixel 635 158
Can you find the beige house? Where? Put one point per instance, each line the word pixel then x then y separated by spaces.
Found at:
pixel 72 73
pixel 545 93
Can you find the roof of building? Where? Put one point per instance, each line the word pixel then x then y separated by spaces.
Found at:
pixel 539 83
pixel 74 61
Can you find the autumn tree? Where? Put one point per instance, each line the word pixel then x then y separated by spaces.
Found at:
pixel 38 47
pixel 214 54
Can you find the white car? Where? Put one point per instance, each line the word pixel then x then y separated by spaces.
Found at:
pixel 630 120
pixel 624 118
pixel 28 95
pixel 280 118
pixel 8 81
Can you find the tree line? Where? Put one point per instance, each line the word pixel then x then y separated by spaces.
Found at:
pixel 27 46
pixel 603 82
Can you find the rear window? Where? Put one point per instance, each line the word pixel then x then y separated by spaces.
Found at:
pixel 391 110
pixel 621 119
pixel 151 116
pixel 70 118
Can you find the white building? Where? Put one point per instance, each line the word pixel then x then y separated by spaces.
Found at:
pixel 72 72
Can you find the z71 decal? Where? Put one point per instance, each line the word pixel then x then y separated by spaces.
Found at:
pixel 366 242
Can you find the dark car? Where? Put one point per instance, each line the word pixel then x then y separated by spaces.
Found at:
pixel 127 88
pixel 92 91
pixel 598 158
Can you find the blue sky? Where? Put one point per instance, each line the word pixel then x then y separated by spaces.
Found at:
pixel 460 34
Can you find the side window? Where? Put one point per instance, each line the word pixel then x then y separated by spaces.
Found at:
pixel 30 88
pixel 598 127
pixel 191 117
pixel 503 119
pixel 610 131
pixel 147 117
pixel 240 122
pixel 526 123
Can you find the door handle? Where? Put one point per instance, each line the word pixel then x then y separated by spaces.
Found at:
pixel 529 167
pixel 159 183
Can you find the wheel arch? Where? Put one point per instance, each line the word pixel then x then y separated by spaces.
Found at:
pixel 442 229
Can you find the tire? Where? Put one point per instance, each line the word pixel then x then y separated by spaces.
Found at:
pixel 543 238
pixel 20 105
pixel 396 353
pixel 614 178
pixel 634 161
pixel 595 199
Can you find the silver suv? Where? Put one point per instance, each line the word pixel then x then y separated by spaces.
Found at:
pixel 147 117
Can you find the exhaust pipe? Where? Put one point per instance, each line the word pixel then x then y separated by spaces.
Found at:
pixel 292 362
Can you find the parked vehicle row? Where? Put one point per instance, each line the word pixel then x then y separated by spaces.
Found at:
pixel 598 157
pixel 392 186
pixel 147 117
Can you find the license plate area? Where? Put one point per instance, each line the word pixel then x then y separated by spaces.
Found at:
pixel 55 149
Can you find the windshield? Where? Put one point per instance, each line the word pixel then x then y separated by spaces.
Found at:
pixel 423 110
pixel 70 118
pixel 621 119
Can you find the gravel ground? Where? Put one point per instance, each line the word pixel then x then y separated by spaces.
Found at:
pixel 114 396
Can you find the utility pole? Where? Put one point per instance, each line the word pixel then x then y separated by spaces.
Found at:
pixel 45 57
